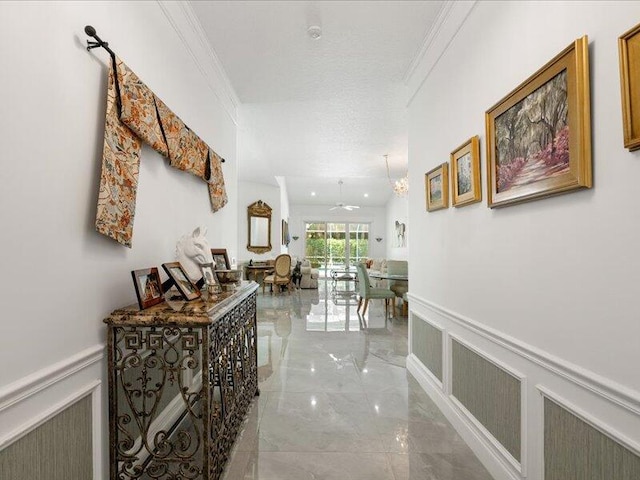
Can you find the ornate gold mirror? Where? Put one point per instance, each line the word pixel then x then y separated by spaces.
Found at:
pixel 259 216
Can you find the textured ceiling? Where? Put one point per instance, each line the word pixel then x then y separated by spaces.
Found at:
pixel 314 111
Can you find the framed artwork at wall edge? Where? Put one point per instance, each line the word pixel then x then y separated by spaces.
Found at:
pixel 437 188
pixel 539 135
pixel 220 258
pixel 148 287
pixel 285 233
pixel 629 52
pixel 177 274
pixel 465 173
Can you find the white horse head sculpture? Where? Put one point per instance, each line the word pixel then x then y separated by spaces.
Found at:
pixel 192 251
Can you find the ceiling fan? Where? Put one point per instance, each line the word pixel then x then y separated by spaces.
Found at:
pixel 341 204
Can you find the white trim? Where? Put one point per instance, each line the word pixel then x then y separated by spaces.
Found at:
pixel 184 21
pixel 603 428
pixel 30 385
pixel 444 339
pixel 427 41
pixel 451 17
pixel 97 431
pixel 92 388
pixel 611 391
pixel 496 463
pixel 519 466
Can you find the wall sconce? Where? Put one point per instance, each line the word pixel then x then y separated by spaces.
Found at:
pixel 295 237
pixel 378 239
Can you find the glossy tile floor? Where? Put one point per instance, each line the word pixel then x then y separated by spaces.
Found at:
pixel 336 400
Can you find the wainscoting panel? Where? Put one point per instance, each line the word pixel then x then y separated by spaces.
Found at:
pixel 490 394
pixel 59 449
pixel 426 344
pixel 574 450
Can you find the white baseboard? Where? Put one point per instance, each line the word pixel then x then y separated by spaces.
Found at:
pixel 611 408
pixel 495 463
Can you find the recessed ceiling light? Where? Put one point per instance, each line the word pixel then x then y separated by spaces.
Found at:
pixel 313 194
pixel 314 32
pixel 366 195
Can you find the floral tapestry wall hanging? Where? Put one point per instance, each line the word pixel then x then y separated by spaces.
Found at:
pixel 135 114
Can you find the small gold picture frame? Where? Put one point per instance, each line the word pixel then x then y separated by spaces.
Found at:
pixel 437 188
pixel 465 173
pixel 628 49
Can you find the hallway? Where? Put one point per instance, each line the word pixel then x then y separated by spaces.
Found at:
pixel 336 401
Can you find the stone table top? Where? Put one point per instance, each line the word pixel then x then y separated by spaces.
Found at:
pixel 198 312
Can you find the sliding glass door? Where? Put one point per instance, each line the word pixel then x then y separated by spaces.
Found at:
pixel 327 248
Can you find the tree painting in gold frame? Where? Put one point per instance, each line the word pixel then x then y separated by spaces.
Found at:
pixel 629 51
pixel 437 188
pixel 539 135
pixel 465 173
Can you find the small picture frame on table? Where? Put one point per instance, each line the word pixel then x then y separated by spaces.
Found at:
pixel 437 188
pixel 209 275
pixel 177 274
pixel 148 287
pixel 220 258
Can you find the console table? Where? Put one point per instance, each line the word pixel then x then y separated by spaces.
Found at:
pixel 181 378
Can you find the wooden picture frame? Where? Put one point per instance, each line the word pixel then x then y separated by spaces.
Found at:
pixel 148 287
pixel 180 279
pixel 628 47
pixel 220 259
pixel 209 274
pixel 436 182
pixel 465 173
pixel 539 135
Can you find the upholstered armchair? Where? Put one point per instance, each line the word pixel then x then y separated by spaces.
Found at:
pixel 309 275
pixel 281 275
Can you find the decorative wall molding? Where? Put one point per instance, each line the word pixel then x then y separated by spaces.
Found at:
pixel 602 427
pixel 30 385
pixel 520 467
pixel 186 24
pixel 611 391
pixel 445 364
pixel 475 435
pixel 92 388
pixel 451 17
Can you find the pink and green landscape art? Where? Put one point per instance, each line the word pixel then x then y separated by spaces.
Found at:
pixel 532 137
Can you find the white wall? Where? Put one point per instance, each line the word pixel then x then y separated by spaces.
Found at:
pixel 60 277
pixel 248 193
pixel 299 214
pixel 397 210
pixel 560 276
pixel 284 209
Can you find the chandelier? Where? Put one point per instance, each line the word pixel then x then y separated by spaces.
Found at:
pixel 400 187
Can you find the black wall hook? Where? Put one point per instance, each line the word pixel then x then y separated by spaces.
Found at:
pixel 89 30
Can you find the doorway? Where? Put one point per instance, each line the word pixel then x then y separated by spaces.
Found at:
pixel 335 246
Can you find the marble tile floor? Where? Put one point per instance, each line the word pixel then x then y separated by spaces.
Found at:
pixel 336 400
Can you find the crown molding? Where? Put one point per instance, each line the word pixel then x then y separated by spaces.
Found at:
pixel 184 21
pixel 451 17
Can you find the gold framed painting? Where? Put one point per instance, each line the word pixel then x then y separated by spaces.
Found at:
pixel 465 173
pixel 437 188
pixel 539 135
pixel 629 51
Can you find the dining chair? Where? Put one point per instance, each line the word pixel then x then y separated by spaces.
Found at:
pixel 281 275
pixel 367 292
pixel 399 287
